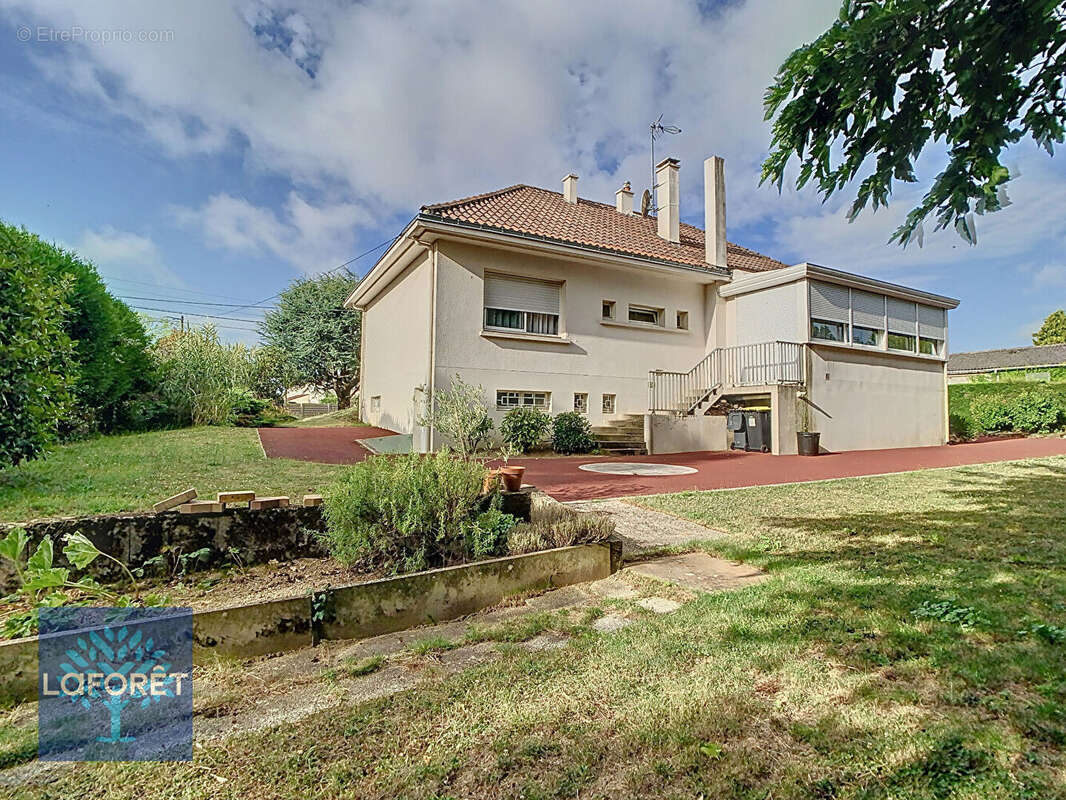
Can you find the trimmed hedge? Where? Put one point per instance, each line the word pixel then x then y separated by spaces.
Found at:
pixel 976 408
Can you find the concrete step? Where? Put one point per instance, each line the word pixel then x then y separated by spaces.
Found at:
pixel 619 436
pixel 624 428
pixel 625 451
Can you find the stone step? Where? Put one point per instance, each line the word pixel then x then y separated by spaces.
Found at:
pixel 619 436
pixel 625 451
pixel 623 428
pixel 610 444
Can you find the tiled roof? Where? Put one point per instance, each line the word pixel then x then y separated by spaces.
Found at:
pixel 539 212
pixel 1049 355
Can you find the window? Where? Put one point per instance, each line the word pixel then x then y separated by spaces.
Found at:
pixel 682 320
pixel 608 403
pixel 645 316
pixel 930 347
pixel 828 330
pixel 508 399
pixel 581 402
pixel 870 337
pixel 608 309
pixel 900 341
pixel 522 305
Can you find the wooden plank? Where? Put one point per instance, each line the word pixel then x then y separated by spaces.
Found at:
pixel 268 502
pixel 175 500
pixel 200 507
pixel 312 499
pixel 235 497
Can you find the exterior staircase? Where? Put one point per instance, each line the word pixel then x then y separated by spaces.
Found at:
pixel 623 436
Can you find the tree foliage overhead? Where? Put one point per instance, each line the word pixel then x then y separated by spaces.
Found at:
pixel 35 352
pixel 317 335
pixel 1053 331
pixel 890 76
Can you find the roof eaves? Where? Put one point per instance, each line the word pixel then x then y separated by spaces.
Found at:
pixel 566 243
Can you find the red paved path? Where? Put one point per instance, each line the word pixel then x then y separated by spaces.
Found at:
pixel 561 478
pixel 325 445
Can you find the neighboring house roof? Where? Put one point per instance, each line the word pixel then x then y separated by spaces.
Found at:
pixel 538 212
pixel 1049 355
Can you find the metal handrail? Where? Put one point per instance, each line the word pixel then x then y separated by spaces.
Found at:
pixel 725 368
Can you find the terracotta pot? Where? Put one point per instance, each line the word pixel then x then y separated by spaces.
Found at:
pixel 512 478
pixel 491 482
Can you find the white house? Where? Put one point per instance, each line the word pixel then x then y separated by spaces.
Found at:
pixel 551 300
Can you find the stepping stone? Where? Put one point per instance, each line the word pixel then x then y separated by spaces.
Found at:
pixel 610 624
pixel 659 605
pixel 546 641
pixel 613 588
pixel 700 571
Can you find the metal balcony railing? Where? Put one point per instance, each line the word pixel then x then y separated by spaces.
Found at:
pixel 725 369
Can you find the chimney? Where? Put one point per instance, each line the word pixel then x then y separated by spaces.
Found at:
pixel 714 210
pixel 668 191
pixel 570 188
pixel 623 200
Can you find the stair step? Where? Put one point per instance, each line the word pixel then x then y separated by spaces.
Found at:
pixel 625 451
pixel 619 436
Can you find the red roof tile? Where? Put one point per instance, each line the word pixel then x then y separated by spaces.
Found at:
pixel 539 212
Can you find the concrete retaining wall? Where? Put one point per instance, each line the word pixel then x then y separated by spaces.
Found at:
pixel 670 433
pixel 356 611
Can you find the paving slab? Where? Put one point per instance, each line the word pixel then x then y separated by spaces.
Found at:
pixel 700 572
pixel 611 623
pixel 659 605
pixel 643 529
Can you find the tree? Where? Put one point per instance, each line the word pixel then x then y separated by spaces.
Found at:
pixel 887 78
pixel 458 411
pixel 35 353
pixel 317 335
pixel 1053 331
pixel 271 375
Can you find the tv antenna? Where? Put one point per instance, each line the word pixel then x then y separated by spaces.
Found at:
pixel 657 130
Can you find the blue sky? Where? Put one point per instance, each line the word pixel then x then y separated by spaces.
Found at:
pixel 211 151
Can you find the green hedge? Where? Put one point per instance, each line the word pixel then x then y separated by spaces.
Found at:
pixel 964 416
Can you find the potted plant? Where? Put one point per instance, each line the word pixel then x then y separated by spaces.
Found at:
pixel 807 441
pixel 511 475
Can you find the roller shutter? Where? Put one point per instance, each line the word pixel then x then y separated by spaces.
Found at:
pixel 829 302
pixel 932 322
pixel 901 316
pixel 521 294
pixel 868 309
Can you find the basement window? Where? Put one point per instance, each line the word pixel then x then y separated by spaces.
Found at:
pixel 608 403
pixel 581 402
pixel 644 315
pixel 507 399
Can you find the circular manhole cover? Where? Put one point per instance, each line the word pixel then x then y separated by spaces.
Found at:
pixel 632 468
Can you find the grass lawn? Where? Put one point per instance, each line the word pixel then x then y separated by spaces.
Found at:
pixel 131 472
pixel 344 417
pixel 909 644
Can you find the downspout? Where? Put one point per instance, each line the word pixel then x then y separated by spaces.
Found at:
pixel 430 382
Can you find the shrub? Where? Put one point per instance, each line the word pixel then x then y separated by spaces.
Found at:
pixel 991 414
pixel 524 427
pixel 35 353
pixel 1037 411
pixel 572 433
pixel 558 526
pixel 249 411
pixel 199 375
pixel 1028 411
pixel 406 513
pixel 489 534
pixel 458 412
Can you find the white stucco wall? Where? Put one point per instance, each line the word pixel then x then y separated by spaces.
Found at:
pixel 596 359
pixel 396 348
pixel 867 400
pixel 670 433
pixel 767 315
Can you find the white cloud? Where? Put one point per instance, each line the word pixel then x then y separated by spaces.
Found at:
pixel 313 238
pixel 372 109
pixel 125 256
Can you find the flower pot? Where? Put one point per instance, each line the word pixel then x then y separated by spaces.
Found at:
pixel 512 478
pixel 491 482
pixel 807 443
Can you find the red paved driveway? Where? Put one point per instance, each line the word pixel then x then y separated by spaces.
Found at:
pixel 325 445
pixel 561 478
